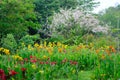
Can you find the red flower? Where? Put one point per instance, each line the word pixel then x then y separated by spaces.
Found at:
pixel 26 59
pixel 33 60
pixel 64 61
pixel 41 62
pixel 53 63
pixel 47 62
pixel 22 62
pixel 23 69
pixel 12 72
pixel 2 75
pixel 48 59
pixel 1 71
pixel 73 62
pixel 32 56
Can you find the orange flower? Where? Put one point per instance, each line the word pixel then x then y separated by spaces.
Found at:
pixel 103 57
pixel 97 51
pixel 60 50
pixel 110 47
pixel 113 50
pixel 108 52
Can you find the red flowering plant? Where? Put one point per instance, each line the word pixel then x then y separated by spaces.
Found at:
pixel 73 62
pixel 53 63
pixel 41 62
pixel 64 60
pixel 33 59
pixel 26 59
pixel 2 75
pixel 23 71
pixel 12 73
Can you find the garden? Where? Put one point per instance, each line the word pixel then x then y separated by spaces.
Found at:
pixel 55 40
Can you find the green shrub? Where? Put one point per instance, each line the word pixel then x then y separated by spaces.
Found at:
pixel 29 39
pixel 9 42
pixel 105 41
pixel 56 38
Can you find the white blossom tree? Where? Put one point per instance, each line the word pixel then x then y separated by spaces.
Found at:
pixel 68 19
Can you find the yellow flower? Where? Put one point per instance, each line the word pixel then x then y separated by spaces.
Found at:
pixel 53 44
pixel 45 43
pixel 106 47
pixel 41 71
pixel 20 58
pixel 6 51
pixel 59 44
pixel 16 57
pixel 36 45
pixel 34 66
pixel 102 56
pixel 50 44
pixel 64 46
pixel 1 49
pixel 60 50
pixel 29 47
pixel 44 57
pixel 50 50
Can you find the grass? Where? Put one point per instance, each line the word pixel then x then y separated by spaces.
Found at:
pixel 85 75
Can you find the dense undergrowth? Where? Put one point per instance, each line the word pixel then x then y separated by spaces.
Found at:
pixel 55 61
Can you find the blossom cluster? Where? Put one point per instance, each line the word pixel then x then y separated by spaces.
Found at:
pixel 5 51
pixel 69 18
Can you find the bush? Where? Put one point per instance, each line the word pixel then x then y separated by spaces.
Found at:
pixel 105 40
pixel 9 42
pixel 68 21
pixel 29 39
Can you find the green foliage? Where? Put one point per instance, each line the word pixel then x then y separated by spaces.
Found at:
pixel 104 40
pixel 45 9
pixel 29 39
pixel 16 16
pixel 9 42
pixel 68 4
pixel 111 16
pixel 56 38
pixel 108 69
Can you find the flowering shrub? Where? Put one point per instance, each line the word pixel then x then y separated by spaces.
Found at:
pixel 68 19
